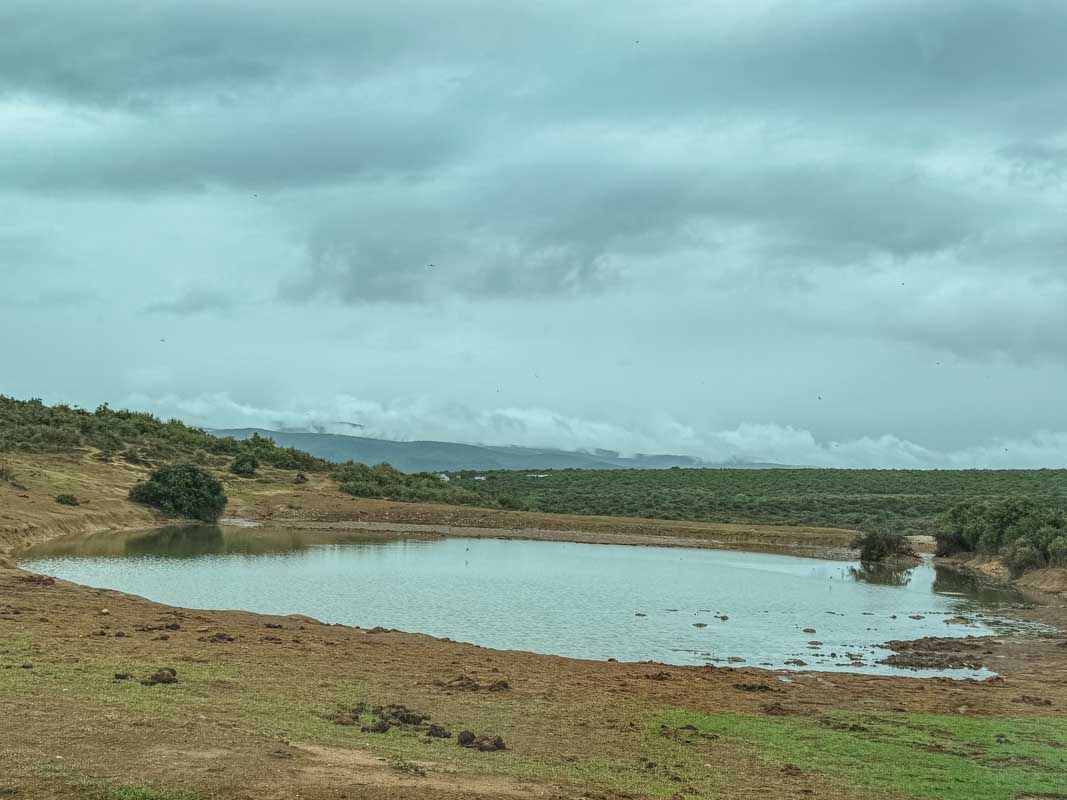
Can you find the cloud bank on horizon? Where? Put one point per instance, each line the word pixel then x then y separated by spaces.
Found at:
pixel 808 232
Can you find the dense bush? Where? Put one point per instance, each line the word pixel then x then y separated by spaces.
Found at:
pixel 879 545
pixel 244 465
pixel 67 500
pixel 382 481
pixel 182 490
pixel 905 501
pixel 138 438
pixel 1028 534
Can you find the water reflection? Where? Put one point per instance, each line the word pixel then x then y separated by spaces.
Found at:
pixel 975 590
pixel 882 574
pixel 589 601
pixel 194 541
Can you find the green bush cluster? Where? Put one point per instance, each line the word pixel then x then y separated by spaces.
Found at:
pixel 382 481
pixel 138 438
pixel 877 546
pixel 182 490
pixel 67 500
pixel 245 465
pixel 1028 534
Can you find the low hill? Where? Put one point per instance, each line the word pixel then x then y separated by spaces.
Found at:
pixel 431 456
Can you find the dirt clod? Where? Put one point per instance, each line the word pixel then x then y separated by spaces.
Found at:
pixel 438 732
pixel 466 683
pixel 36 580
pixel 935 653
pixel 486 744
pixel 1031 700
pixel 217 638
pixel 776 710
pixel 164 676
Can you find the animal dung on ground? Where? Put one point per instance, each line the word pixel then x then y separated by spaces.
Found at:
pixel 486 744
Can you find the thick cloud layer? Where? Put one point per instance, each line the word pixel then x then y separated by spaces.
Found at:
pixel 799 231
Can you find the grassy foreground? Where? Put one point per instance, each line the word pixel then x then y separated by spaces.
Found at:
pixel 253 714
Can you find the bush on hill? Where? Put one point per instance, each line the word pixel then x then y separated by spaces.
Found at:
pixel 182 490
pixel 244 465
pixel 382 481
pixel 67 500
pixel 138 438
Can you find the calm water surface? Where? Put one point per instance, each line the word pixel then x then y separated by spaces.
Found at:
pixel 577 600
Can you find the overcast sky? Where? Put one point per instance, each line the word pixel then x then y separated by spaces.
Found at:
pixel 816 232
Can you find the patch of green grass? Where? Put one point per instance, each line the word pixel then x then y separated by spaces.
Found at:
pixel 408 767
pixel 142 793
pixel 947 757
pixel 92 788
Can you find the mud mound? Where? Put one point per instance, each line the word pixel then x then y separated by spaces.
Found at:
pixel 217 638
pixel 164 676
pixel 465 683
pixel 383 719
pixel 1030 700
pixel 937 653
pixel 486 744
pixel 36 580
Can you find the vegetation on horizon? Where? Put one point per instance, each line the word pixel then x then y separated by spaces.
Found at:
pixel 906 502
pixel 136 437
pixel 385 482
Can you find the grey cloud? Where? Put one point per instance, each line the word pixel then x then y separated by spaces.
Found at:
pixel 195 301
pixel 1037 161
pixel 752 204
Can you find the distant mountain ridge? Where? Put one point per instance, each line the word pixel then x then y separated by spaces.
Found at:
pixel 430 456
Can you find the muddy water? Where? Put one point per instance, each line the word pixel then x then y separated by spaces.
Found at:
pixel 673 605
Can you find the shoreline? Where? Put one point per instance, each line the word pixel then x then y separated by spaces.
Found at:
pixel 931 651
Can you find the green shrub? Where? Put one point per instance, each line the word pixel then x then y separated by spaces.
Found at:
pixel 1057 552
pixel 183 490
pixel 245 465
pixel 1027 534
pixel 67 500
pixel 382 481
pixel 1024 555
pixel 879 545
